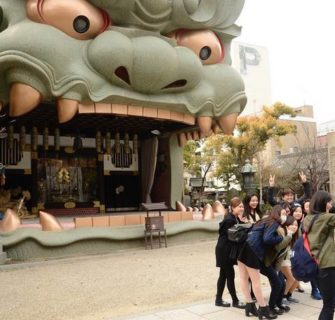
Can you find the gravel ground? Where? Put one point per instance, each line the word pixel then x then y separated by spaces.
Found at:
pixel 108 286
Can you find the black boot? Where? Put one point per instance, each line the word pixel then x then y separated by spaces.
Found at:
pixel 250 308
pixel 264 313
pixel 221 303
pixel 276 311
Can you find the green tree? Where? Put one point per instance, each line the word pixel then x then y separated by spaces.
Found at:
pixel 252 135
pixel 199 158
pixel 225 155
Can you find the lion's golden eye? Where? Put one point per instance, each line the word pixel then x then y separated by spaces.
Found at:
pixel 77 18
pixel 204 43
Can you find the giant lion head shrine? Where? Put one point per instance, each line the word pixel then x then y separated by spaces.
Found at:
pixel 97 100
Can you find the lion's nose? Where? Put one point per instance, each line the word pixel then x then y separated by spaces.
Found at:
pixel 145 64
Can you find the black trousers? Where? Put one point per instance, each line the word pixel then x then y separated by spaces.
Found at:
pixel 326 281
pixel 227 274
pixel 277 284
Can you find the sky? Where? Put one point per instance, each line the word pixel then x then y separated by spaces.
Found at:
pixel 299 36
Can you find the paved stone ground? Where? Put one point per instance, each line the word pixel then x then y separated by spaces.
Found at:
pixel 307 309
pixel 177 282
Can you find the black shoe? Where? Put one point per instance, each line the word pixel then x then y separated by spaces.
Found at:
pixel 284 307
pixel 221 303
pixel 239 305
pixel 277 311
pixel 250 308
pixel 265 313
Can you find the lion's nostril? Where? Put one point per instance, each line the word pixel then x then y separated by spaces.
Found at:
pixel 177 84
pixel 3 22
pixel 123 74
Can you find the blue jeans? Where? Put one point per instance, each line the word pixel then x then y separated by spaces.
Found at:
pixel 326 281
pixel 314 285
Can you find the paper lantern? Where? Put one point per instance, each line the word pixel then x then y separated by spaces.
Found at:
pixel 108 143
pixel 22 138
pixel 57 140
pixel 34 139
pixel 46 139
pixel 10 138
pixel 126 143
pixel 135 143
pixel 98 142
pixel 117 145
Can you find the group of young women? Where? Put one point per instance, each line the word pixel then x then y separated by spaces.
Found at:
pixel 269 254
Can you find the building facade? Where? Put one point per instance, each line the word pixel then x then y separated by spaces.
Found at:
pixel 252 62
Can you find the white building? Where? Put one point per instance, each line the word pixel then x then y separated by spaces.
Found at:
pixel 252 62
pixel 326 127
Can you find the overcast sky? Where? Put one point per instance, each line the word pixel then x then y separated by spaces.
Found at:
pixel 299 35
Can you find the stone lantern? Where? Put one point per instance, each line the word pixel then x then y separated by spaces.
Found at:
pixel 248 175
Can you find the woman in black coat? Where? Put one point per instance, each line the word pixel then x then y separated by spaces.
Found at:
pixel 226 253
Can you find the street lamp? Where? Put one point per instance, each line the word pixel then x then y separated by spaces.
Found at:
pixel 248 175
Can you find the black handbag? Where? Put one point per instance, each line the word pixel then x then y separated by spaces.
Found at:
pixel 239 232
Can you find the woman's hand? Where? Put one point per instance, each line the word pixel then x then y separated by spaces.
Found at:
pixel 292 229
pixel 243 219
pixel 272 180
pixel 302 177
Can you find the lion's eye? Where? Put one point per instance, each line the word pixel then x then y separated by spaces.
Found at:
pixel 81 24
pixel 205 53
pixel 204 43
pixel 78 19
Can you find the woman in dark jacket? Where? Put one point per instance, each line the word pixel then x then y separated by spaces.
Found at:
pixel 264 233
pixel 226 254
pixel 287 195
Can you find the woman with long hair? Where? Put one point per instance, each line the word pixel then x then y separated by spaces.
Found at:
pixel 263 233
pixel 321 239
pixel 291 282
pixel 274 256
pixel 226 254
pixel 253 213
pixel 315 292
pixel 252 209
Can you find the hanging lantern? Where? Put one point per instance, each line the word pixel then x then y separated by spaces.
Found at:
pixel 22 138
pixel 117 144
pixel 46 139
pixel 57 140
pixel 108 143
pixel 10 138
pixel 98 141
pixel 126 143
pixel 34 139
pixel 135 143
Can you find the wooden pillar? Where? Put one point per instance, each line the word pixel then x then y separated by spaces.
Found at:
pixel 101 182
